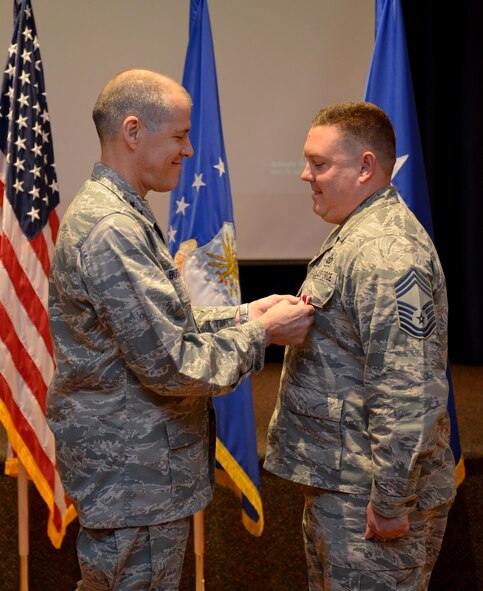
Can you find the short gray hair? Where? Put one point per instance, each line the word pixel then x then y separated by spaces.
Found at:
pixel 143 93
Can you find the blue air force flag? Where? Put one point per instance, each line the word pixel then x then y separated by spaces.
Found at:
pixel 201 238
pixel 389 86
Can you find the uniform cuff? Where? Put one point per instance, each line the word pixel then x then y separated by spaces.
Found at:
pixel 388 505
pixel 255 332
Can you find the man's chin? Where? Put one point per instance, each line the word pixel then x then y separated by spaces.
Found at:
pixel 166 187
pixel 317 210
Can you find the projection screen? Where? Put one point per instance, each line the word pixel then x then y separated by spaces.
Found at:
pixel 278 62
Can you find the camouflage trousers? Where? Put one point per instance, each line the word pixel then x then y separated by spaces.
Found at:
pixel 148 558
pixel 340 559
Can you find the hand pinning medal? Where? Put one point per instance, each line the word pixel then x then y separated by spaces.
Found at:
pixel 305 298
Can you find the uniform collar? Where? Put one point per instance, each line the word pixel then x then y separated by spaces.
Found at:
pixel 123 190
pixel 375 201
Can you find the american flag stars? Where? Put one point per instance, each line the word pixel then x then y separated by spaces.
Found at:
pixel 25 136
pixel 28 231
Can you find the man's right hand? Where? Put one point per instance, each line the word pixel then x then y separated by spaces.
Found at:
pixel 288 324
pixel 385 528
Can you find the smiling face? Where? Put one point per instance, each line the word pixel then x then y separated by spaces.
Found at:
pixel 160 153
pixel 335 171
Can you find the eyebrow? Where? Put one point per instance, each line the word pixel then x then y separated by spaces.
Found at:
pixel 308 155
pixel 182 130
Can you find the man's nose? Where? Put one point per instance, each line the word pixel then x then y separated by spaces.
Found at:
pixel 187 149
pixel 307 174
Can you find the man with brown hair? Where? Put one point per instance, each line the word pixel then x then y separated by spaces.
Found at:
pixel 361 419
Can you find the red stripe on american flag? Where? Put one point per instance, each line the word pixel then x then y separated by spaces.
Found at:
pixel 23 362
pixel 26 352
pixel 25 293
pixel 29 437
pixel 39 246
pixel 54 225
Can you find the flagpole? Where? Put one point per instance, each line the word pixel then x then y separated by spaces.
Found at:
pixel 199 548
pixel 23 530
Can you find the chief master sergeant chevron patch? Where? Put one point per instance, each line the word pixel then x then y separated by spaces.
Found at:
pixel 415 304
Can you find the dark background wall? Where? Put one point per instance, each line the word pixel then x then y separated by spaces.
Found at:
pixel 446 54
pixel 264 277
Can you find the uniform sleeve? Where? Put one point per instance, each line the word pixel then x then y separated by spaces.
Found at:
pixel 400 308
pixel 213 319
pixel 142 301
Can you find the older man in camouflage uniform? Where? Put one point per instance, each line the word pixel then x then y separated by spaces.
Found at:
pixel 136 364
pixel 361 418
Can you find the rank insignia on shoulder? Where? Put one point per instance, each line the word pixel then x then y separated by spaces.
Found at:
pixel 415 304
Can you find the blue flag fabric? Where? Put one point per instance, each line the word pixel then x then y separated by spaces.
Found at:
pixel 201 238
pixel 389 86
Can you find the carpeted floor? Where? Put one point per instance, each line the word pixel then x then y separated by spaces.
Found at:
pixel 237 561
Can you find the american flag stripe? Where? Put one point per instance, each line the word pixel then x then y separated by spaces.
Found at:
pixel 23 250
pixel 26 332
pixel 36 460
pixel 26 291
pixel 28 230
pixel 21 360
pixel 26 417
pixel 43 245
pixel 40 247
pixel 27 423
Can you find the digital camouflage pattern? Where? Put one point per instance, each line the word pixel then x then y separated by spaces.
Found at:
pixel 362 406
pixel 149 557
pixel 340 559
pixel 136 364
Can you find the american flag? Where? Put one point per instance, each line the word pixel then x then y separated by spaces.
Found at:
pixel 29 223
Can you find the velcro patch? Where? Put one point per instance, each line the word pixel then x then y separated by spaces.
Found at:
pixel 415 304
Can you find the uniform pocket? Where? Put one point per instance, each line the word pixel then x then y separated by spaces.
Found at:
pixel 319 285
pixel 315 421
pixel 188 446
pixel 373 555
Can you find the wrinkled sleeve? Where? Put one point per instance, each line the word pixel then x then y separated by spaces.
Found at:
pixel 405 380
pixel 152 319
pixel 213 319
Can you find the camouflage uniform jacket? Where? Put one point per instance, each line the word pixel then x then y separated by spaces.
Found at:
pixel 362 407
pixel 129 402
